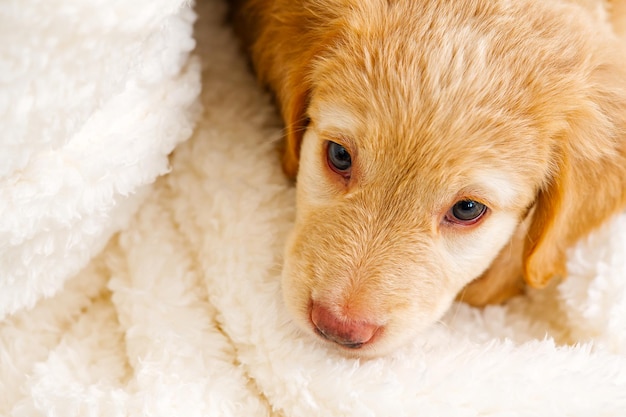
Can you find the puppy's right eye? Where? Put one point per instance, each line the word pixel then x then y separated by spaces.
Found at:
pixel 339 159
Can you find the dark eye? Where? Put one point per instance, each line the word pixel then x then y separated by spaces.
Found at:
pixel 466 212
pixel 339 159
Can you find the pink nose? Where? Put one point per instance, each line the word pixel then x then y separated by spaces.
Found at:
pixel 348 333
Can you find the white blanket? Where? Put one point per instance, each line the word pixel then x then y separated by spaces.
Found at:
pixel 181 313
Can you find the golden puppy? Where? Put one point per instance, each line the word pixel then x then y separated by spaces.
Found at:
pixel 437 143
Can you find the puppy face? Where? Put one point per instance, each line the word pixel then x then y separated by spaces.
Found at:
pixel 394 241
pixel 429 140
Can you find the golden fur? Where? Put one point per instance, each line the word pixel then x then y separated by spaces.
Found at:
pixel 520 105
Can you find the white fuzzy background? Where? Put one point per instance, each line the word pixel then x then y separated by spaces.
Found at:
pixel 181 314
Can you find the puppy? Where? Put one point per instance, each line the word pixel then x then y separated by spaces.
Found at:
pixel 442 148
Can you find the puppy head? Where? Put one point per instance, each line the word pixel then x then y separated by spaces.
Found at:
pixel 431 136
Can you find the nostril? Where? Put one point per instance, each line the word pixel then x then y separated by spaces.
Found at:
pixel 349 333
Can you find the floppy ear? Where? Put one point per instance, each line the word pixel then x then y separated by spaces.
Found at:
pixel 293 109
pixel 276 35
pixel 551 229
pixel 588 184
pixel 284 38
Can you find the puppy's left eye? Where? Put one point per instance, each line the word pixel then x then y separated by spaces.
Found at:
pixel 466 212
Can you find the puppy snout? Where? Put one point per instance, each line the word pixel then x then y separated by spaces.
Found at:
pixel 346 332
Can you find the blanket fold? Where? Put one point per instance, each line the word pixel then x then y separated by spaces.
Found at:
pixel 94 98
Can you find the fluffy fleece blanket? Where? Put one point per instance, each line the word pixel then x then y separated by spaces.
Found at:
pixel 181 313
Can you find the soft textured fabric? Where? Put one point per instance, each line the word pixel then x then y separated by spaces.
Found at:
pixel 93 97
pixel 181 313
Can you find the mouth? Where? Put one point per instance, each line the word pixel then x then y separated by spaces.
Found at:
pixel 346 344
